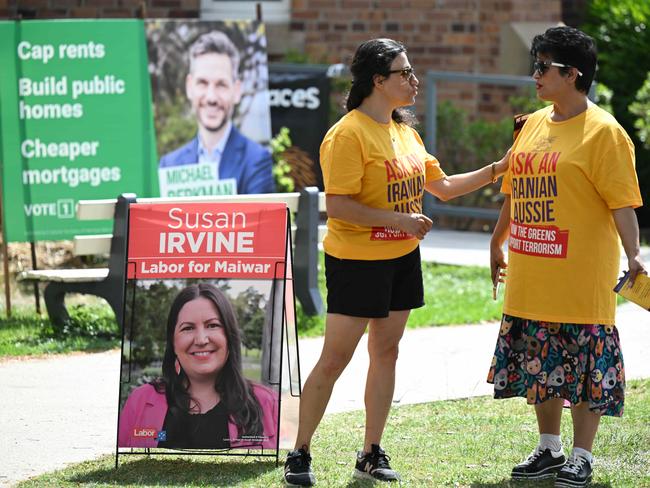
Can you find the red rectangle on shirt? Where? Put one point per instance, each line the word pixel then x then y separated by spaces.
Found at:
pixel 207 240
pixel 388 234
pixel 545 241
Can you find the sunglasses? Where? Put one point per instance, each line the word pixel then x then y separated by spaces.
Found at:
pixel 543 66
pixel 406 73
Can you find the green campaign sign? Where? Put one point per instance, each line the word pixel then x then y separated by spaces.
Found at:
pixel 75 122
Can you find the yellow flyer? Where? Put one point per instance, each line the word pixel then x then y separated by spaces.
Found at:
pixel 639 293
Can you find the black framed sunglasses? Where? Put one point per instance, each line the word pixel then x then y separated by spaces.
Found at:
pixel 406 73
pixel 543 66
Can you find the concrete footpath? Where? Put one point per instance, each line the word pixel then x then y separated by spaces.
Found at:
pixel 63 410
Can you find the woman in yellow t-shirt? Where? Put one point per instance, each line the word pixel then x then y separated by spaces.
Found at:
pixel 375 171
pixel 571 190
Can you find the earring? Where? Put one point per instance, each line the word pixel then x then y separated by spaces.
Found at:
pixel 177 367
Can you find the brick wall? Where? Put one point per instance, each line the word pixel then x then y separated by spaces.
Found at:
pixel 58 9
pixel 447 35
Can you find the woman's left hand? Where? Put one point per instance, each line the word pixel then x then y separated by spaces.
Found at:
pixel 501 166
pixel 636 267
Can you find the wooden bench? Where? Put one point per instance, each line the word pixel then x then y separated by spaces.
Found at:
pixel 109 282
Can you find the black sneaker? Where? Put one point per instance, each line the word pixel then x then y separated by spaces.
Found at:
pixel 576 472
pixel 374 465
pixel 297 468
pixel 539 464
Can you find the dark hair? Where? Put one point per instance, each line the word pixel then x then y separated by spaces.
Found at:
pixel 570 46
pixel 236 391
pixel 374 57
pixel 218 43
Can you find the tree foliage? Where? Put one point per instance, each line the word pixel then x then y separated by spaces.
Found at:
pixel 620 28
pixel 281 168
pixel 641 109
pixel 249 308
pixel 622 32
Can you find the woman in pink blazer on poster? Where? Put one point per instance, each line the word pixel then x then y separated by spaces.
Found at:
pixel 203 400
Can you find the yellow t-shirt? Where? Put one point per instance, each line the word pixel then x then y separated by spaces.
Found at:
pixel 381 166
pixel 564 179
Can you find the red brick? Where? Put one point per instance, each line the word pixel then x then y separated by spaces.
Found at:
pixel 378 15
pixel 419 4
pixel 85 12
pixel 119 13
pixel 390 4
pixel 332 17
pixel 439 50
pixel 307 14
pixel 357 38
pixel 321 5
pixel 405 15
pixel 65 4
pixel 53 13
pixel 35 4
pixel 155 13
pixel 360 4
pixel 100 3
pixel 182 13
pixel 191 4
pixel 166 3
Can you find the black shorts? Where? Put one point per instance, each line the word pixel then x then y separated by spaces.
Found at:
pixel 361 288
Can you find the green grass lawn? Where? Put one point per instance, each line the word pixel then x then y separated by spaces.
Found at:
pixel 91 328
pixel 460 443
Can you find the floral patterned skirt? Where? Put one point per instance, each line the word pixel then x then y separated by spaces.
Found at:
pixel 546 360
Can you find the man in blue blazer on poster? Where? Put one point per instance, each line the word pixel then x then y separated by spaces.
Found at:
pixel 214 89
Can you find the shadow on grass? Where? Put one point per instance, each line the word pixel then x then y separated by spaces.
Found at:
pixel 177 472
pixel 508 483
pixel 359 483
pixel 505 483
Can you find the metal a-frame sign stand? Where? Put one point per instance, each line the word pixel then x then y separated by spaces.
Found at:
pixel 281 297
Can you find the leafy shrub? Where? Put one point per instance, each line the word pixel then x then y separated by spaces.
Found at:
pixel 464 145
pixel 604 97
pixel 281 168
pixel 85 321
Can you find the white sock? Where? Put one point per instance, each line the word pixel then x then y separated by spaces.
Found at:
pixel 550 441
pixel 583 453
